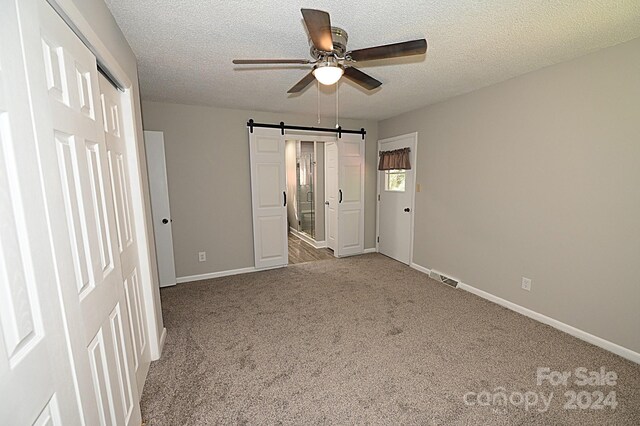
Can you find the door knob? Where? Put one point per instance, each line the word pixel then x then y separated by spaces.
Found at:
pixel 326 203
pixel 165 220
pixel 407 209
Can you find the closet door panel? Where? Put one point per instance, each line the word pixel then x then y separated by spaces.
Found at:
pixel 36 380
pixel 73 157
pixel 111 102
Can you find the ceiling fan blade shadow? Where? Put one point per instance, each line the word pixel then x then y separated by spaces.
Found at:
pixel 395 50
pixel 302 84
pixel 270 61
pixel 363 79
pixel 318 24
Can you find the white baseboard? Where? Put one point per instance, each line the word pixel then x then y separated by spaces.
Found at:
pixel 420 268
pixel 313 243
pixel 163 339
pixel 580 334
pixel 210 275
pixel 365 251
pixel 575 332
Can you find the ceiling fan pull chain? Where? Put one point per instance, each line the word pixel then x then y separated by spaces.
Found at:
pixel 337 102
pixel 318 86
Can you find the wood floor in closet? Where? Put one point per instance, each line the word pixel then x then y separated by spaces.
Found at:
pixel 301 252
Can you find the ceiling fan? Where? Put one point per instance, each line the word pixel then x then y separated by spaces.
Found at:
pixel 331 59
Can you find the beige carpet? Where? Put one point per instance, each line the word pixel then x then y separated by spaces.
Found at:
pixel 364 340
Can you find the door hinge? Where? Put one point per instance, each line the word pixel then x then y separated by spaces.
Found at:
pixel 378 239
pixel 378 197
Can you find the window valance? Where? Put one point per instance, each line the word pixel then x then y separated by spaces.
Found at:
pixel 398 159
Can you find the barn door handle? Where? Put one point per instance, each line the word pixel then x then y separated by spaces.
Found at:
pixel 407 209
pixel 340 195
pixel 285 198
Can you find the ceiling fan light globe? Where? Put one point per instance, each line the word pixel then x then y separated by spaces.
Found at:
pixel 328 75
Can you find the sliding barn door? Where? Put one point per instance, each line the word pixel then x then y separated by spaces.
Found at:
pixel 36 380
pixel 79 207
pixel 111 100
pixel 350 195
pixel 268 196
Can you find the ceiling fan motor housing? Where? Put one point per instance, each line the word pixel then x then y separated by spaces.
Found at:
pixel 339 37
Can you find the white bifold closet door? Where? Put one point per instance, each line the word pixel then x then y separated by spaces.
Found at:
pixel 111 100
pixel 74 162
pixel 268 197
pixel 36 380
pixel 350 235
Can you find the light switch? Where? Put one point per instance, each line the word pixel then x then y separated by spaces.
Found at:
pixel 417 187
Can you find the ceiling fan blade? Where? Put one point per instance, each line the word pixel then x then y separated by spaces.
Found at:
pixel 319 26
pixel 299 86
pixel 395 50
pixel 364 80
pixel 270 61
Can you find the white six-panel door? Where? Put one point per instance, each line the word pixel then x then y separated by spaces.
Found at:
pixel 111 100
pixel 350 195
pixel 160 208
pixel 268 189
pixel 81 217
pixel 36 380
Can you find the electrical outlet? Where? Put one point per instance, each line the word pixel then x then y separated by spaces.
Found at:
pixel 526 284
pixel 202 256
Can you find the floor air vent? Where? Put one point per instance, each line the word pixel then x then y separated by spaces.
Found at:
pixel 443 278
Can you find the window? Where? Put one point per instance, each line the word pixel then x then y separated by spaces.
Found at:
pixel 394 180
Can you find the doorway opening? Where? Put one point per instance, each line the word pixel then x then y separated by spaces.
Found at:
pixel 304 162
pixel 272 193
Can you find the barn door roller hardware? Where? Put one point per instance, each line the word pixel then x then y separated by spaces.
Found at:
pixel 339 130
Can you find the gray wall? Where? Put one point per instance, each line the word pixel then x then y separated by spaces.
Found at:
pixel 304 207
pixel 319 193
pixel 290 157
pixel 539 176
pixel 208 171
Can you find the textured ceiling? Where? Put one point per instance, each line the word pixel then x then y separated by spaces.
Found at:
pixel 185 47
